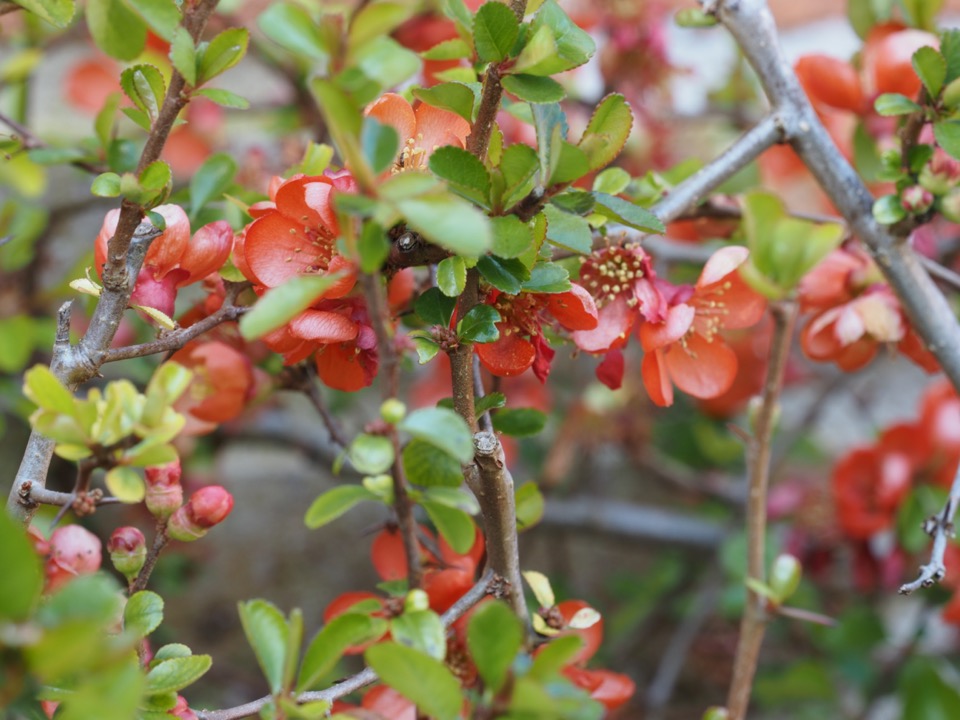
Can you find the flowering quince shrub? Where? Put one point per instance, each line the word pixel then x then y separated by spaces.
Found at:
pixel 447 223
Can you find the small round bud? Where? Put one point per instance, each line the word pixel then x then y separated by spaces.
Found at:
pixel 206 508
pixel 393 411
pixel 916 199
pixel 716 713
pixel 73 551
pixel 182 710
pixel 785 577
pixel 128 550
pixel 163 495
pixel 416 601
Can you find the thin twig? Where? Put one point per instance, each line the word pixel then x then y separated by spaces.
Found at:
pixel 754 620
pixel 160 540
pixel 940 528
pixel 361 679
pixel 379 311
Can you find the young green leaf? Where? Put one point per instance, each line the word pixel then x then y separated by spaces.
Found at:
pixel 534 89
pixel 607 131
pixel 380 144
pixel 143 613
pixel 421 630
pixel 183 55
pixel 890 104
pixel 125 484
pixel 163 16
pixel 452 275
pixel 116 29
pixel 428 466
pixel 58 13
pixel 456 526
pixel 211 181
pixel 448 221
pixel 177 673
pixel 519 422
pixel 418 677
pixel 627 213
pixel 328 646
pixel 457 97
pixel 266 630
pixel 494 637
pixel 106 185
pixel 144 85
pixel 371 454
pixel 334 503
pixel 435 308
pixel 571 232
pixel 23 572
pixel 495 30
pixel 45 390
pixel 442 428
pixel 291 27
pixel 222 53
pixel 281 304
pixel 530 506
pixel 479 325
pixel 464 173
pixel 931 68
pixel 505 275
pixel 224 98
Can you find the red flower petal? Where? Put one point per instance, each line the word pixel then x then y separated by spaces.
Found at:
pixel 508 356
pixel 306 200
pixel 610 688
pixel 393 110
pixel 323 326
pixel 592 636
pixel 437 127
pixel 388 555
pixel 575 310
pixel 207 251
pixel 723 262
pixel 277 249
pixel 656 335
pixel 655 378
pixel 701 368
pixel 343 366
pixel 610 371
pixel 614 324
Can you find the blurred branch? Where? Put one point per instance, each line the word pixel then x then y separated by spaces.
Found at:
pixel 7 7
pixel 29 141
pixel 643 523
pixel 753 27
pixel 940 528
pixel 753 624
pixel 364 677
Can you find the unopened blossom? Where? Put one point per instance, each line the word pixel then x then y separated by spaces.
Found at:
pixel 128 550
pixel 74 551
pixel 164 494
pixel 207 507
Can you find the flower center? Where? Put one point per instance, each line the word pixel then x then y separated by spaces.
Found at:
pixel 413 156
pixel 613 271
pixel 711 310
pixel 520 314
pixel 319 250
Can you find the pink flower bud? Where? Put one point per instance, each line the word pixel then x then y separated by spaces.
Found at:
pixel 207 251
pixel 164 493
pixel 207 507
pixel 182 710
pixel 128 550
pixel 916 199
pixel 73 551
pixel 941 174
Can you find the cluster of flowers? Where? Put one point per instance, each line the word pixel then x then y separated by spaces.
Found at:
pixel 447 577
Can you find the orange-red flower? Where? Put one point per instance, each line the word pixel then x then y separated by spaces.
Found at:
pixel 854 311
pixel 621 280
pixel 521 344
pixel 222 385
pixel 868 486
pixel 686 349
pixel 422 129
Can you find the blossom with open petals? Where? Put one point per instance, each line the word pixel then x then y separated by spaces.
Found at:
pixel 521 344
pixel 686 349
pixel 422 129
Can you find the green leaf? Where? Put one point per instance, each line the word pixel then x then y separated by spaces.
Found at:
pixel 435 308
pixel 456 97
pixel 343 118
pixel 125 484
pixel 694 18
pixel 58 13
pixel 281 304
pixel 612 181
pixel 423 680
pixel 555 43
pixel 950 49
pixel 519 422
pixel 452 275
pixel 607 131
pixel 494 637
pixel 373 247
pixel 211 181
pixel 177 673
pixel 542 590
pixel 464 173
pixel 556 655
pixel 143 613
pixel 329 645
pixel 548 277
pixel 534 89
pixel 22 571
pixel 428 466
pixel 371 454
pixel 530 505
pixel 379 64
pixel 923 13
pixel 931 68
pixel 442 428
pixel 947 134
pixel 456 526
pixel 495 30
pixel 453 49
pixel 376 19
pixel 456 498
pixel 887 210
pixel 163 16
pixel 511 236
pixel 550 124
pixel 156 178
pixel 116 29
pixel 224 98
pixel 571 232
pixel 144 85
pixel 380 144
pixel 266 631
pixel 628 213
pixel 449 222
pixel 505 275
pixel 334 503
pixel 45 390
pixel 890 104
pixel 106 185
pixel 421 630
pixel 291 27
pixel 479 325
pixel 222 53
pixel 183 55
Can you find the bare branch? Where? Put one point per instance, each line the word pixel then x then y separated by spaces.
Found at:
pixel 754 622
pixel 364 677
pixel 940 528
